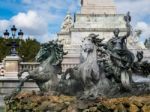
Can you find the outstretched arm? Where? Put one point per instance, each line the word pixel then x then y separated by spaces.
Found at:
pixel 128 30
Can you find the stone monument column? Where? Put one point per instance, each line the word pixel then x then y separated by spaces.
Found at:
pixel 11 66
pixel 98 7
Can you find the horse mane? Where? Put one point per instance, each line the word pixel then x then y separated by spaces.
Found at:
pixel 55 50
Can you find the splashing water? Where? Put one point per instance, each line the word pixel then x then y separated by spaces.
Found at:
pixel 138 78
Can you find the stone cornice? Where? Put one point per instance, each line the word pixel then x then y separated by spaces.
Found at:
pixel 99 15
pixel 63 33
pixel 96 29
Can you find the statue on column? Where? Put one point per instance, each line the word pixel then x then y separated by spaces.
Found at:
pixel 67 24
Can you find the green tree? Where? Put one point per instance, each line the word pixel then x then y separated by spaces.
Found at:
pixel 27 49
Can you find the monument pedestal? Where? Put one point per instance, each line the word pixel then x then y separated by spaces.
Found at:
pixel 98 17
pixel 98 7
pixel 11 66
pixel 10 81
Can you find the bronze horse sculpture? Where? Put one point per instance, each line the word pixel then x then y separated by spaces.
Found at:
pixel 50 57
pixel 88 73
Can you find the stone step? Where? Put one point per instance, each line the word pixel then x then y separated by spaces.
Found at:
pixel 6 91
pixel 16 83
pixel 8 85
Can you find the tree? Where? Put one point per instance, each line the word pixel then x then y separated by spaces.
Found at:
pixel 27 49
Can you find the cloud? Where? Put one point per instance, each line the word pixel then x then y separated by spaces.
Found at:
pixel 30 22
pixel 4 25
pixel 139 8
pixel 40 17
pixel 47 38
pixel 145 29
pixel 140 12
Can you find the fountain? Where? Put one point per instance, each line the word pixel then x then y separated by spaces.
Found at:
pixel 107 70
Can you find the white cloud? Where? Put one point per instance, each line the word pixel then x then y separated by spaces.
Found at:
pixel 40 17
pixel 140 12
pixel 145 30
pixel 4 25
pixel 46 37
pixel 142 26
pixel 139 8
pixel 43 16
pixel 31 22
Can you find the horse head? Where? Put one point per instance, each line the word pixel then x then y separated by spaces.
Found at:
pixel 52 50
pixel 51 53
pixel 43 53
pixel 87 45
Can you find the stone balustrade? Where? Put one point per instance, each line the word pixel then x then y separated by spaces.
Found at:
pixel 28 65
pixel 33 65
pixel 66 63
pixel 66 66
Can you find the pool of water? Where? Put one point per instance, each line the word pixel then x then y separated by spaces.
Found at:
pixel 1 109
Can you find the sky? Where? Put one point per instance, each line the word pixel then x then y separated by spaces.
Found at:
pixel 42 19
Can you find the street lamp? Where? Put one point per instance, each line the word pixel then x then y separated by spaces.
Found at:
pixel 6 34
pixel 13 29
pixel 13 44
pixel 20 34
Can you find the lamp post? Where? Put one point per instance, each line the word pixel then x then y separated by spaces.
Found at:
pixel 13 30
pixel 6 34
pixel 20 34
pixel 13 44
